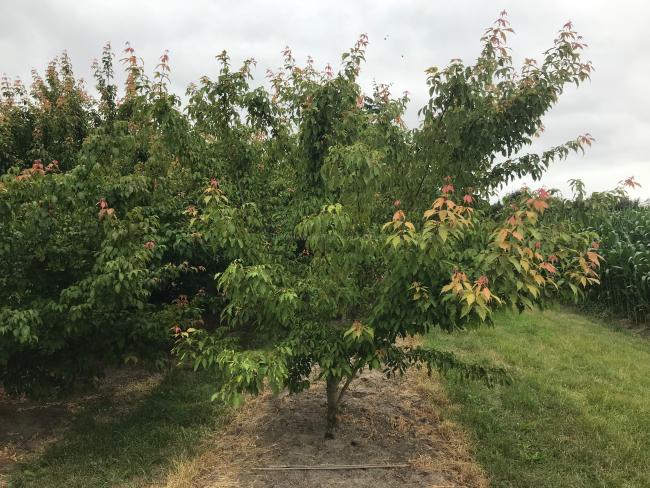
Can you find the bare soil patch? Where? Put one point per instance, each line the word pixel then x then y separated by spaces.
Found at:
pixel 382 422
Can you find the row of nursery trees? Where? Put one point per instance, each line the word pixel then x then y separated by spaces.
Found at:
pixel 278 233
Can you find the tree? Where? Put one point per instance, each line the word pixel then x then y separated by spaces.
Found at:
pixel 325 282
pixel 285 230
pixel 47 123
pixel 94 266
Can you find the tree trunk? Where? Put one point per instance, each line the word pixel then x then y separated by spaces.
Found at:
pixel 332 406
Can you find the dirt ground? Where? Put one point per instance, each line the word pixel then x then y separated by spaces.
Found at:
pixel 25 428
pixel 382 422
pixel 395 421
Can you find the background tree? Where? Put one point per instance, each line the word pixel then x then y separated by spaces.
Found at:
pixel 93 264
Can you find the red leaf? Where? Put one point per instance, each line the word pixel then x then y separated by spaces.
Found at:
pixel 448 188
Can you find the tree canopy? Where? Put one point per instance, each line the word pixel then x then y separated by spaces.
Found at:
pixel 280 231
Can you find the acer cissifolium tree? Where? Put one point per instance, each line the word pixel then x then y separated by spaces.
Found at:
pixel 350 231
pixel 279 233
pixel 93 259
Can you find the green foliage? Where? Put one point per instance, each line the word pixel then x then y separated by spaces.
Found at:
pixel 253 223
pixel 625 244
pixel 332 286
pixel 96 261
pixel 50 122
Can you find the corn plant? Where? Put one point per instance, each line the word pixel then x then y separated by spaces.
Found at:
pixel 625 246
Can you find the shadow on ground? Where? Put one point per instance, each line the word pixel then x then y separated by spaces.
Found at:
pixel 125 434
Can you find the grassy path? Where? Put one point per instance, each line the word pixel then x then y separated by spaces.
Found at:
pixel 578 414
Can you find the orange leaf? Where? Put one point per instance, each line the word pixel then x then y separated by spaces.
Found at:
pixel 540 205
pixel 548 267
pixel 593 257
pixel 502 236
pixel 439 202
pixel 486 293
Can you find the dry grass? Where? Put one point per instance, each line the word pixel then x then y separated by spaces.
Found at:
pixel 382 422
pixel 456 460
pixel 386 421
pixel 224 454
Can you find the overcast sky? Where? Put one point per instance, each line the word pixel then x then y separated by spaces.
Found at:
pixel 406 37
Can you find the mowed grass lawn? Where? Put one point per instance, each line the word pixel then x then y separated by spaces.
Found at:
pixel 578 412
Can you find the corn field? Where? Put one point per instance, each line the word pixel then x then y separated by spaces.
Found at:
pixel 625 274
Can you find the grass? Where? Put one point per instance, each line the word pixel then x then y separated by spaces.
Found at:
pixel 578 413
pixel 128 443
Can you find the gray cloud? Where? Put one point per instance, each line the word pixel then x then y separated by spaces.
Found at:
pixel 614 107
